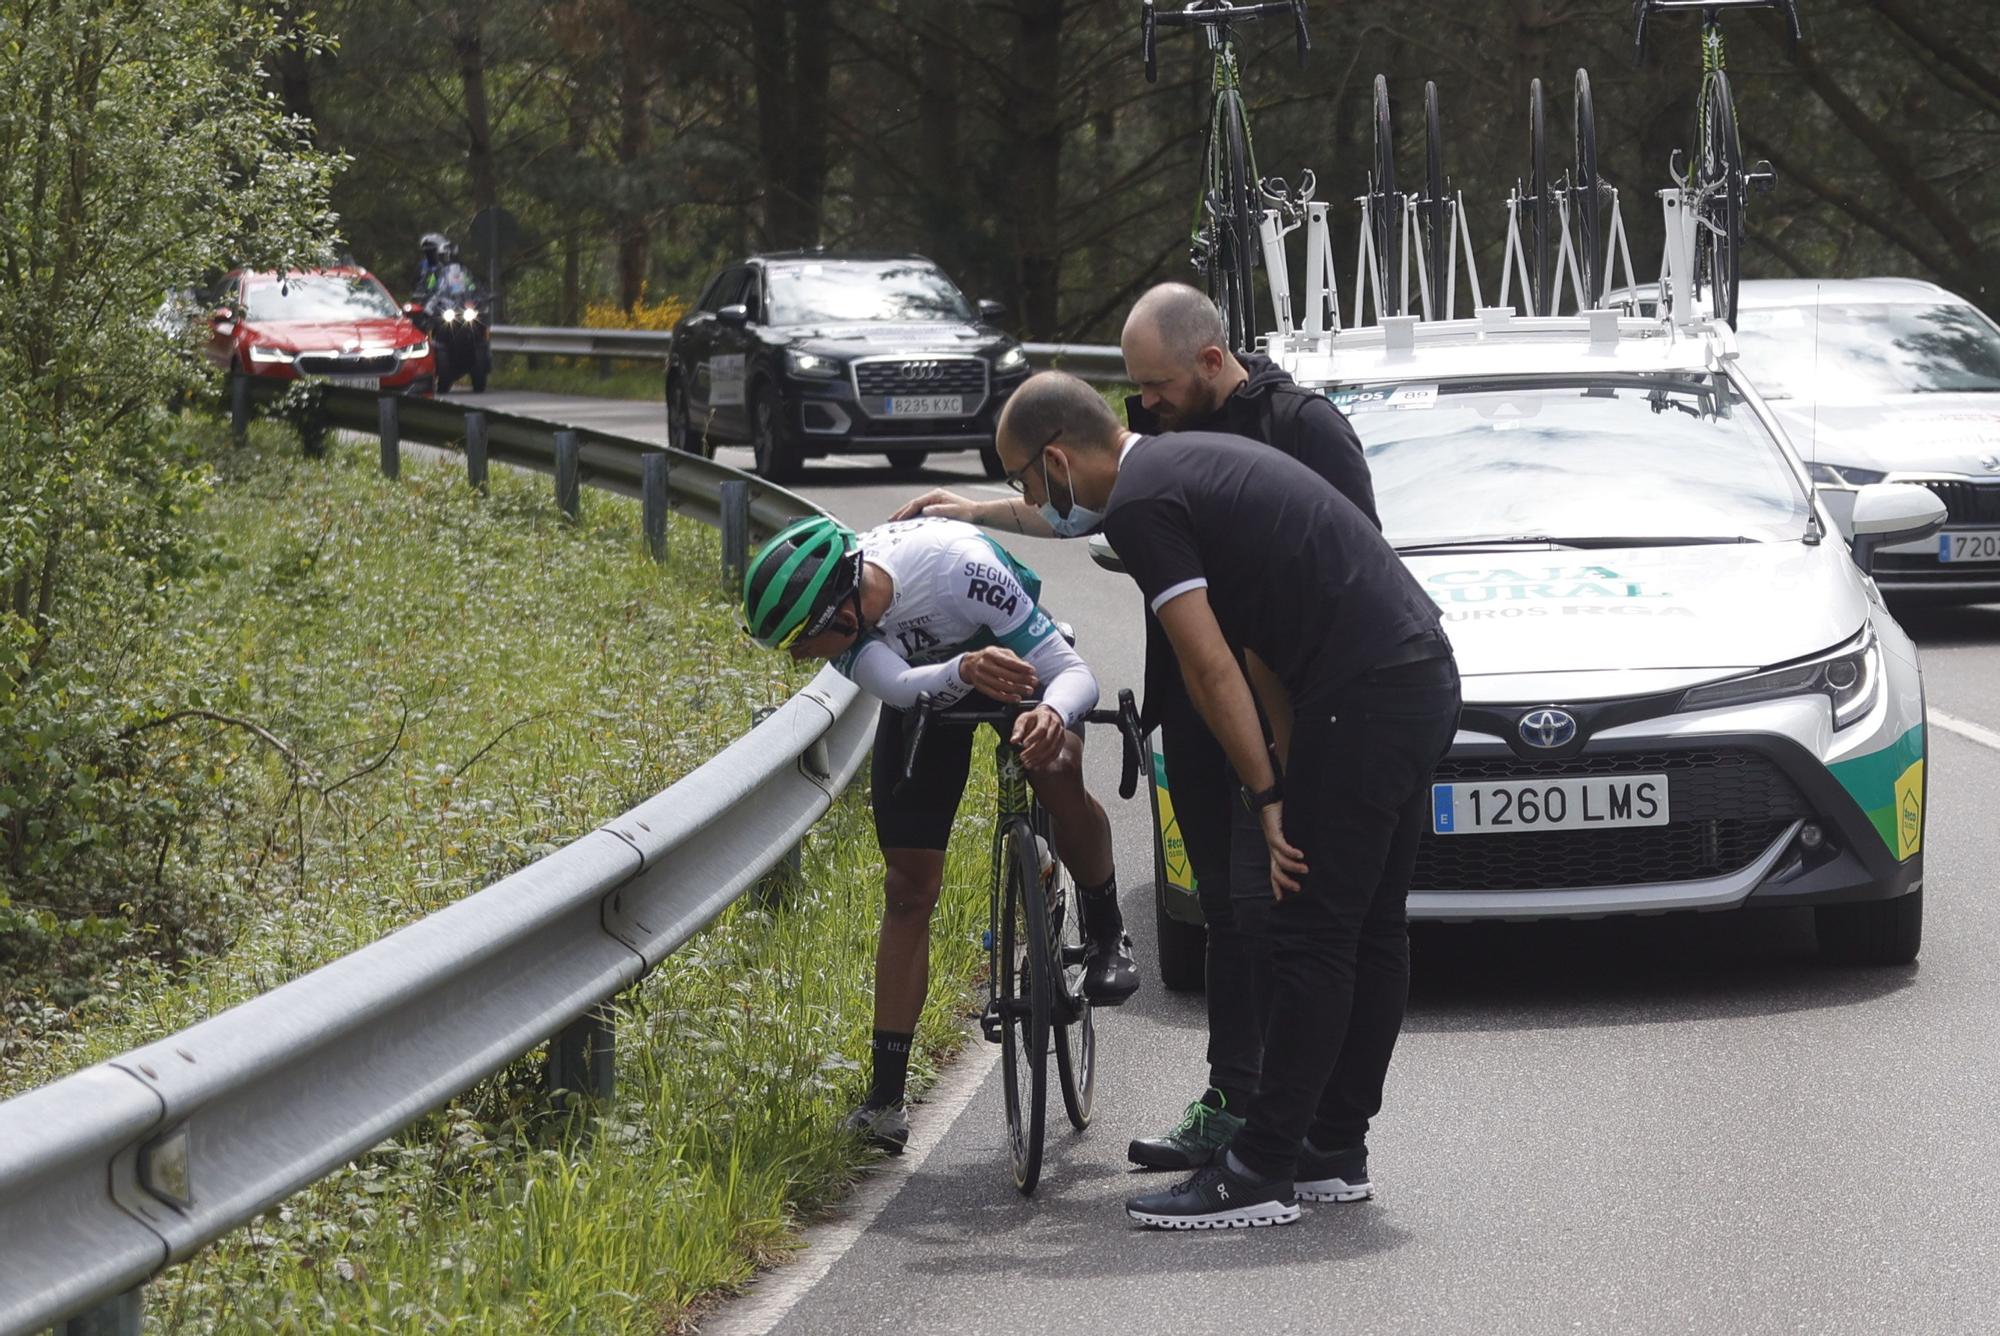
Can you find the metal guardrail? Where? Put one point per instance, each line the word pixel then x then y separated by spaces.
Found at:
pixel 1092 361
pixel 134 1164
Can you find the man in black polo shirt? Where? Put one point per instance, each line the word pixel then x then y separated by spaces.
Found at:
pixel 1240 550
pixel 1177 353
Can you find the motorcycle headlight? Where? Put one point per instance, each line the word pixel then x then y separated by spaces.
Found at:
pixel 1841 478
pixel 1849 677
pixel 811 364
pixel 1014 358
pixel 414 351
pixel 269 356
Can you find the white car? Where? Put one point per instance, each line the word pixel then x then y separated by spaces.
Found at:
pixel 1889 379
pixel 1682 689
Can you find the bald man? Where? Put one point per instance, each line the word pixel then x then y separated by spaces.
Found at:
pixel 1176 352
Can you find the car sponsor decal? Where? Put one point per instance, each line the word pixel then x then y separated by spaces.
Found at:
pixel 1888 786
pixel 1384 399
pixel 1173 849
pixel 1576 591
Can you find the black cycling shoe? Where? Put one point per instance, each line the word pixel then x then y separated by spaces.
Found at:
pixel 1218 1197
pixel 1110 975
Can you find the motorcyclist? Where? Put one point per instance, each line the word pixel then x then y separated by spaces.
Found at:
pixel 450 281
pixel 432 245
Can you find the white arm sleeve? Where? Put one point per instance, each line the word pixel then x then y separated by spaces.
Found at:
pixel 885 675
pixel 1067 682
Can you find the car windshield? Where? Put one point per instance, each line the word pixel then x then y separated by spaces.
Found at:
pixel 1851 351
pixel 805 294
pixel 1627 461
pixel 317 297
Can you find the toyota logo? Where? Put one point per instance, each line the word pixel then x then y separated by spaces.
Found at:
pixel 923 371
pixel 1991 463
pixel 1547 729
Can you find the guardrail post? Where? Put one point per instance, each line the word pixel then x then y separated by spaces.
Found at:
pixel 391 427
pixel 312 429
pixel 124 1315
pixel 475 449
pixel 771 887
pixel 653 502
pixel 581 1059
pixel 567 488
pixel 734 498
pixel 239 409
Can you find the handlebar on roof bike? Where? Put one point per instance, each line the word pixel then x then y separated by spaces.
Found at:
pixel 1216 14
pixel 1002 718
pixel 1645 9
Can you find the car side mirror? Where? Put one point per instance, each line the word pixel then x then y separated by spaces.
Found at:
pixel 735 315
pixel 1886 513
pixel 991 312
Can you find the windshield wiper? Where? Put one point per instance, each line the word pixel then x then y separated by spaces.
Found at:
pixel 1650 540
pixel 1955 389
pixel 1486 540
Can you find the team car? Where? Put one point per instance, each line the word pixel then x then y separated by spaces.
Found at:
pixel 1889 379
pixel 804 354
pixel 1681 688
pixel 337 324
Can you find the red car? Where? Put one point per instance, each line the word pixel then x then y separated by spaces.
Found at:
pixel 339 325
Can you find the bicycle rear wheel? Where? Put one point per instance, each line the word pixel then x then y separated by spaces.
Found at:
pixel 1434 210
pixel 1230 260
pixel 1382 207
pixel 1541 211
pixel 1023 971
pixel 1720 187
pixel 1586 197
pixel 1075 1027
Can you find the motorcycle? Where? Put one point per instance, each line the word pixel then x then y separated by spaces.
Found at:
pixel 461 336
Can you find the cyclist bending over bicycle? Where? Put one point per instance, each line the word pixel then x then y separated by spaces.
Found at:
pixel 934 606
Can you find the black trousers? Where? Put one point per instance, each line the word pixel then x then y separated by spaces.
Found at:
pixel 1225 847
pixel 1357 796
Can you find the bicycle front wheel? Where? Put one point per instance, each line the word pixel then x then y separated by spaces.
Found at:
pixel 1586 197
pixel 1541 226
pixel 1230 274
pixel 1382 207
pixel 1075 1028
pixel 1024 1001
pixel 1719 189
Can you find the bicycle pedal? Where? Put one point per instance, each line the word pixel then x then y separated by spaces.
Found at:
pixel 1074 955
pixel 1763 176
pixel 991 1026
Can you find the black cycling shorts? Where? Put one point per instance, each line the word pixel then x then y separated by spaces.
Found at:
pixel 921 817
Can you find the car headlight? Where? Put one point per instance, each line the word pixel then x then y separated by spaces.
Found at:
pixel 1842 477
pixel 1013 359
pixel 414 351
pixel 810 364
pixel 270 356
pixel 1849 677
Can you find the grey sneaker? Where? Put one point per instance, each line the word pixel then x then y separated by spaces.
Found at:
pixel 1217 1197
pixel 884 1126
pixel 1203 1132
pixel 1338 1175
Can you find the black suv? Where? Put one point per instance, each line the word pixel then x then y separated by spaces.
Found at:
pixel 803 354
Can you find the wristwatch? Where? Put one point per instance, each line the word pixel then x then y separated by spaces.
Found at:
pixel 1258 801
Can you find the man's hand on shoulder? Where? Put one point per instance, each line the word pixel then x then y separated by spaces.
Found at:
pixel 939 504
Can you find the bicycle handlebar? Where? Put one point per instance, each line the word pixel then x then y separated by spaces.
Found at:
pixel 1645 9
pixel 1216 14
pixel 1002 718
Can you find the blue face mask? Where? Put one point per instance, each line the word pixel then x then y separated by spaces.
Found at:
pixel 1080 522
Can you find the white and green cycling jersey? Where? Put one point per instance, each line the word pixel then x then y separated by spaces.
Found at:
pixel 956 590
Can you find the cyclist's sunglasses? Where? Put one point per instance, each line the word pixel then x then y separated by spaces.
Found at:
pixel 1018 479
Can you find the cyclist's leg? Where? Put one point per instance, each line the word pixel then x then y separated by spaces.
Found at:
pixel 912 830
pixel 1083 840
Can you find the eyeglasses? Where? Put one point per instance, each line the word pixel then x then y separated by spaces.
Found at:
pixel 1018 479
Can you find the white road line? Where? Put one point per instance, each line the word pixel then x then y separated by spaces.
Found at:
pixel 1965 728
pixel 772 1295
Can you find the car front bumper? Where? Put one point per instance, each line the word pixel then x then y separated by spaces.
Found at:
pixel 828 417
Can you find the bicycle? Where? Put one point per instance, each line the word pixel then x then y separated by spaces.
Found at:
pixel 1716 184
pixel 1034 935
pixel 1223 240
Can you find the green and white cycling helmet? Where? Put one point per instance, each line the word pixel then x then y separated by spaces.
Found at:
pixel 799 579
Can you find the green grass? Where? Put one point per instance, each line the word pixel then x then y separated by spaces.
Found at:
pixel 514 680
pixel 604 378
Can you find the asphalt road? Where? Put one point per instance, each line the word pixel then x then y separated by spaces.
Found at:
pixel 1669 1124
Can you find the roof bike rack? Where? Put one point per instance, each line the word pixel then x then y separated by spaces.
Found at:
pixel 1286 208
pixel 1618 246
